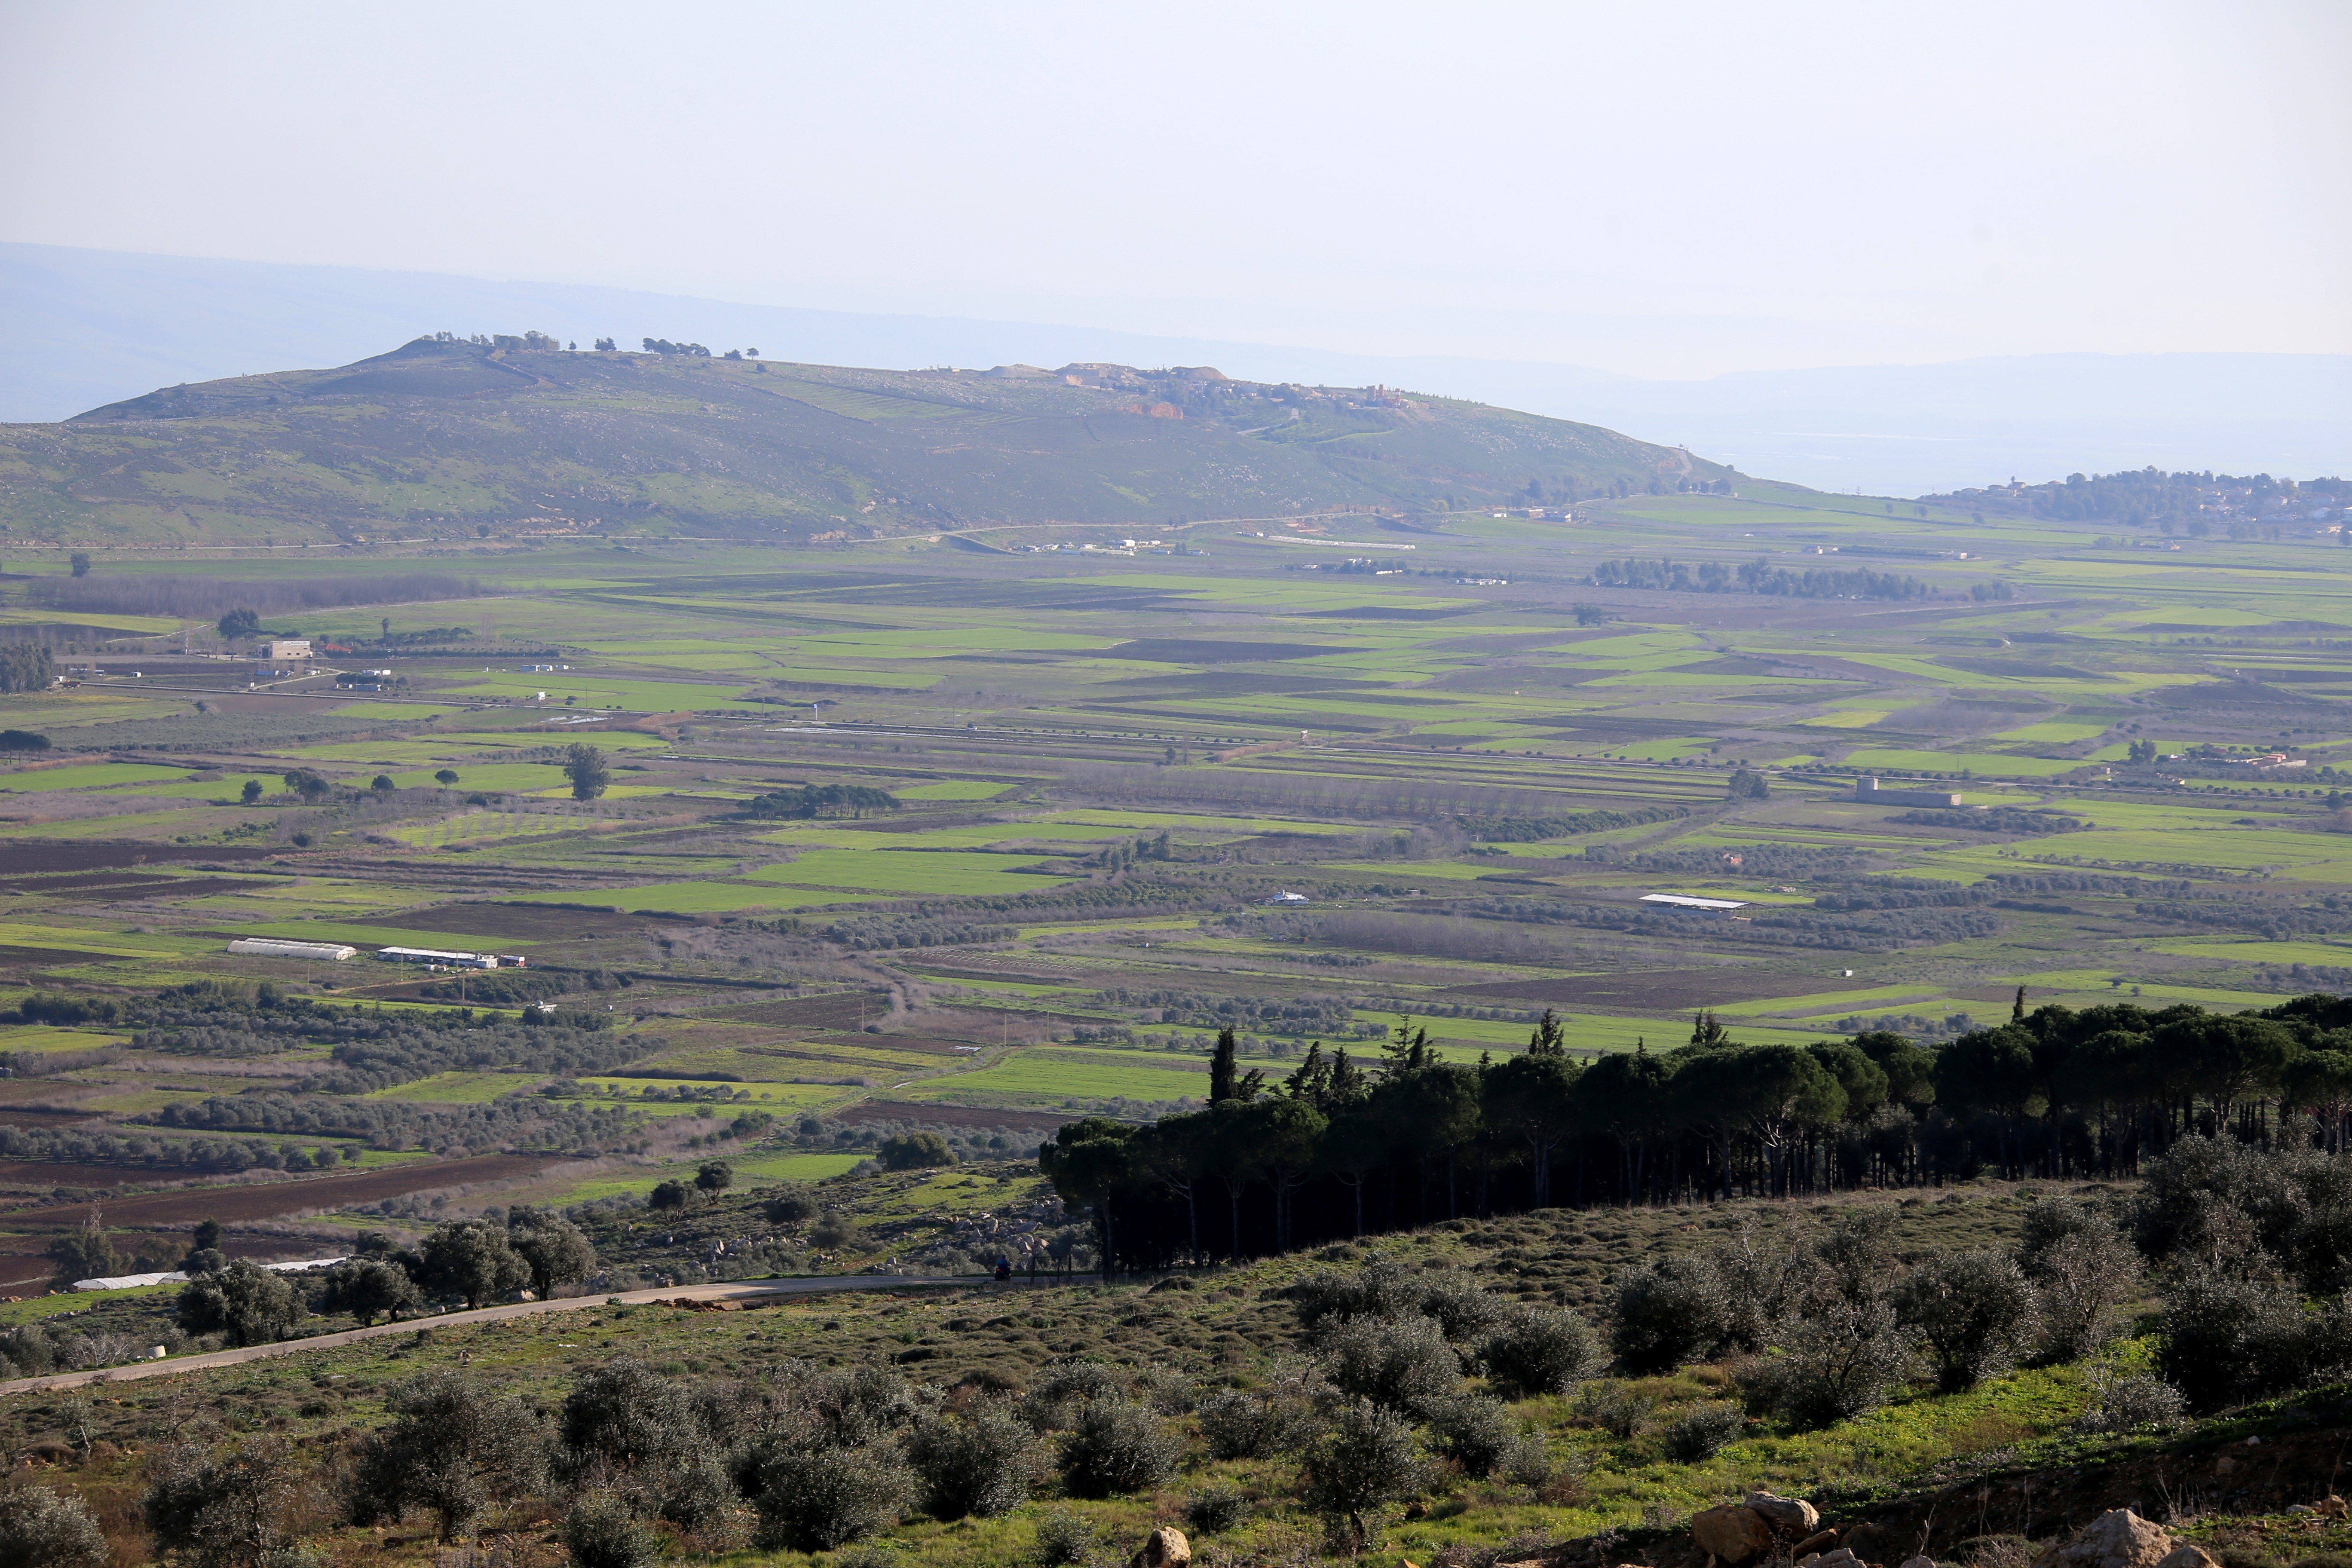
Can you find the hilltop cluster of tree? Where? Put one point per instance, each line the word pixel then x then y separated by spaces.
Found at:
pixel 25 666
pixel 664 346
pixel 2149 498
pixel 1337 1147
pixel 821 800
pixel 1757 576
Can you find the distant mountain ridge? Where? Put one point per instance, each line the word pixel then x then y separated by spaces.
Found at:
pixel 451 437
pixel 81 328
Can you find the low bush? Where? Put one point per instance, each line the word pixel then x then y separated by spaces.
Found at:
pixel 600 1531
pixel 1844 1360
pixel 1215 1510
pixel 1480 1435
pixel 44 1529
pixel 1616 1409
pixel 977 1466
pixel 2131 1401
pixel 1061 1387
pixel 1974 1311
pixel 1258 1423
pixel 817 1501
pixel 1115 1446
pixel 1065 1537
pixel 1702 1433
pixel 1402 1363
pixel 1666 1314
pixel 1541 1349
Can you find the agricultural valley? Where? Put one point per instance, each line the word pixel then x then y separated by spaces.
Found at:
pixel 1357 974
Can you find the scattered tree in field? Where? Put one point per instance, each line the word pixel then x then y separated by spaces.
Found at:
pixel 239 625
pixel 369 1289
pixel 452 1448
pixel 914 1151
pixel 473 1258
pixel 251 792
pixel 27 667
pixel 556 1251
pixel 226 1511
pixel 244 1302
pixel 82 1254
pixel 79 564
pixel 586 766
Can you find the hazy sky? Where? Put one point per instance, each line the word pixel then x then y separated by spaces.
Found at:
pixel 1668 189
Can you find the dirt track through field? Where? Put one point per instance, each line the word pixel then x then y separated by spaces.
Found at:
pixel 756 1292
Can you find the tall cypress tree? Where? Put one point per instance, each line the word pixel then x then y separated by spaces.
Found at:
pixel 1224 1067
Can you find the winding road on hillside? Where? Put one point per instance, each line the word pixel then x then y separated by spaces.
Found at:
pixel 745 1292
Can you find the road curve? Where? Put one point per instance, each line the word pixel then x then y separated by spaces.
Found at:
pixel 736 1290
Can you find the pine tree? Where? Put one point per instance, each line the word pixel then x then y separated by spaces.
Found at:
pixel 1223 1068
pixel 1549 1039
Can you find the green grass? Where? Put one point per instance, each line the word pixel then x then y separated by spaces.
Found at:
pixel 928 872
pixel 458 1088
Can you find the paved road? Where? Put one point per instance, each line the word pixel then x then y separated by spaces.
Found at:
pixel 744 1290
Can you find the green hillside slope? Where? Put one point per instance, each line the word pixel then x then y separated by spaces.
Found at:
pixel 444 438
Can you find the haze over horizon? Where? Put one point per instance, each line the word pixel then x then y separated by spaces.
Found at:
pixel 1740 191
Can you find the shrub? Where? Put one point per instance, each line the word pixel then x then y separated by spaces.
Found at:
pixel 1363 1458
pixel 224 1512
pixel 601 1532
pixel 1400 1363
pixel 1213 1510
pixel 2227 1340
pixel 451 1447
pixel 43 1529
pixel 1381 1289
pixel 1258 1424
pixel 914 1151
pixel 2130 1402
pixel 1974 1311
pixel 1702 1433
pixel 820 1500
pixel 2082 1271
pixel 1837 1364
pixel 1061 1387
pixel 1541 1349
pixel 1116 1447
pixel 1479 1435
pixel 1666 1314
pixel 790 1204
pixel 1461 1309
pixel 1616 1409
pixel 977 1466
pixel 1064 1538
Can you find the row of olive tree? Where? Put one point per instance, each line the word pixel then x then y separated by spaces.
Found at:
pixel 475 1261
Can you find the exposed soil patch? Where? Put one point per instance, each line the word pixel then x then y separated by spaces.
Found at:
pixel 837 1010
pixel 28 858
pixel 18 957
pixel 269 1200
pixel 1668 988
